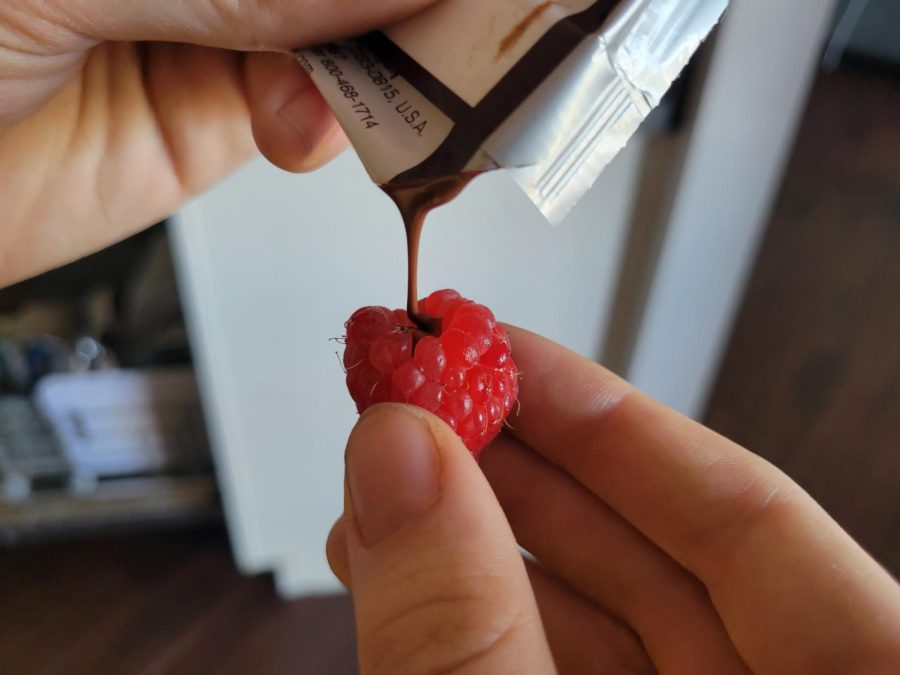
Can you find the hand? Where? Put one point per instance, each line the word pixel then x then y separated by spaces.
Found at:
pixel 105 128
pixel 658 545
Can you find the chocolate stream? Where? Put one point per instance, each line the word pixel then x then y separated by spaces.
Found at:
pixel 414 200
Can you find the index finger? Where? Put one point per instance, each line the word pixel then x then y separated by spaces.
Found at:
pixel 775 564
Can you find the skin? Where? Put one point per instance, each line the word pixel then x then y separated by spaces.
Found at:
pixel 658 545
pixel 655 544
pixel 102 108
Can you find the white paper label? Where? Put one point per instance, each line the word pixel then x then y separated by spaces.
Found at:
pixel 382 114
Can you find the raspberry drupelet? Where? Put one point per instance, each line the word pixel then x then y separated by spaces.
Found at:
pixel 458 365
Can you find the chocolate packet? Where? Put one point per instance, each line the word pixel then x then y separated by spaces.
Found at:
pixel 550 91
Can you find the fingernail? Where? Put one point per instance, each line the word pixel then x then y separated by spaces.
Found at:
pixel 309 116
pixel 392 470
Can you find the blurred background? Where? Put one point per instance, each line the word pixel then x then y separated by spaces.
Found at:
pixel 172 413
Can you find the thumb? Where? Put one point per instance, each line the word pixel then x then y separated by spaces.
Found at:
pixel 438 583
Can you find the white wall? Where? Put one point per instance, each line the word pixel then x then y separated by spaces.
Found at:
pixel 764 61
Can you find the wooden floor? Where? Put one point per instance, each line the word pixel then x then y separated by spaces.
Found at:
pixel 811 381
pixel 161 603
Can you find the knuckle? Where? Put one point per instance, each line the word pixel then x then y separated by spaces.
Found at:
pixel 760 505
pixel 440 626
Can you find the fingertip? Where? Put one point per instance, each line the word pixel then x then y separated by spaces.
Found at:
pixel 292 124
pixel 393 476
pixel 304 136
pixel 336 551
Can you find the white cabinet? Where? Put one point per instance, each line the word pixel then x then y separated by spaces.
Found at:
pixel 272 264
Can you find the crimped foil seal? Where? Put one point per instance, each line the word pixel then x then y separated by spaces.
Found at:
pixel 551 91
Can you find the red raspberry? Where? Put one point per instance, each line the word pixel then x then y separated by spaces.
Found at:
pixel 459 368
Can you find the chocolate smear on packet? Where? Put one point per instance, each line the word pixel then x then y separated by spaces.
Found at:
pixel 519 29
pixel 473 124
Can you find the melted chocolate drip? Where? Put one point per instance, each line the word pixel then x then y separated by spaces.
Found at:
pixel 415 199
